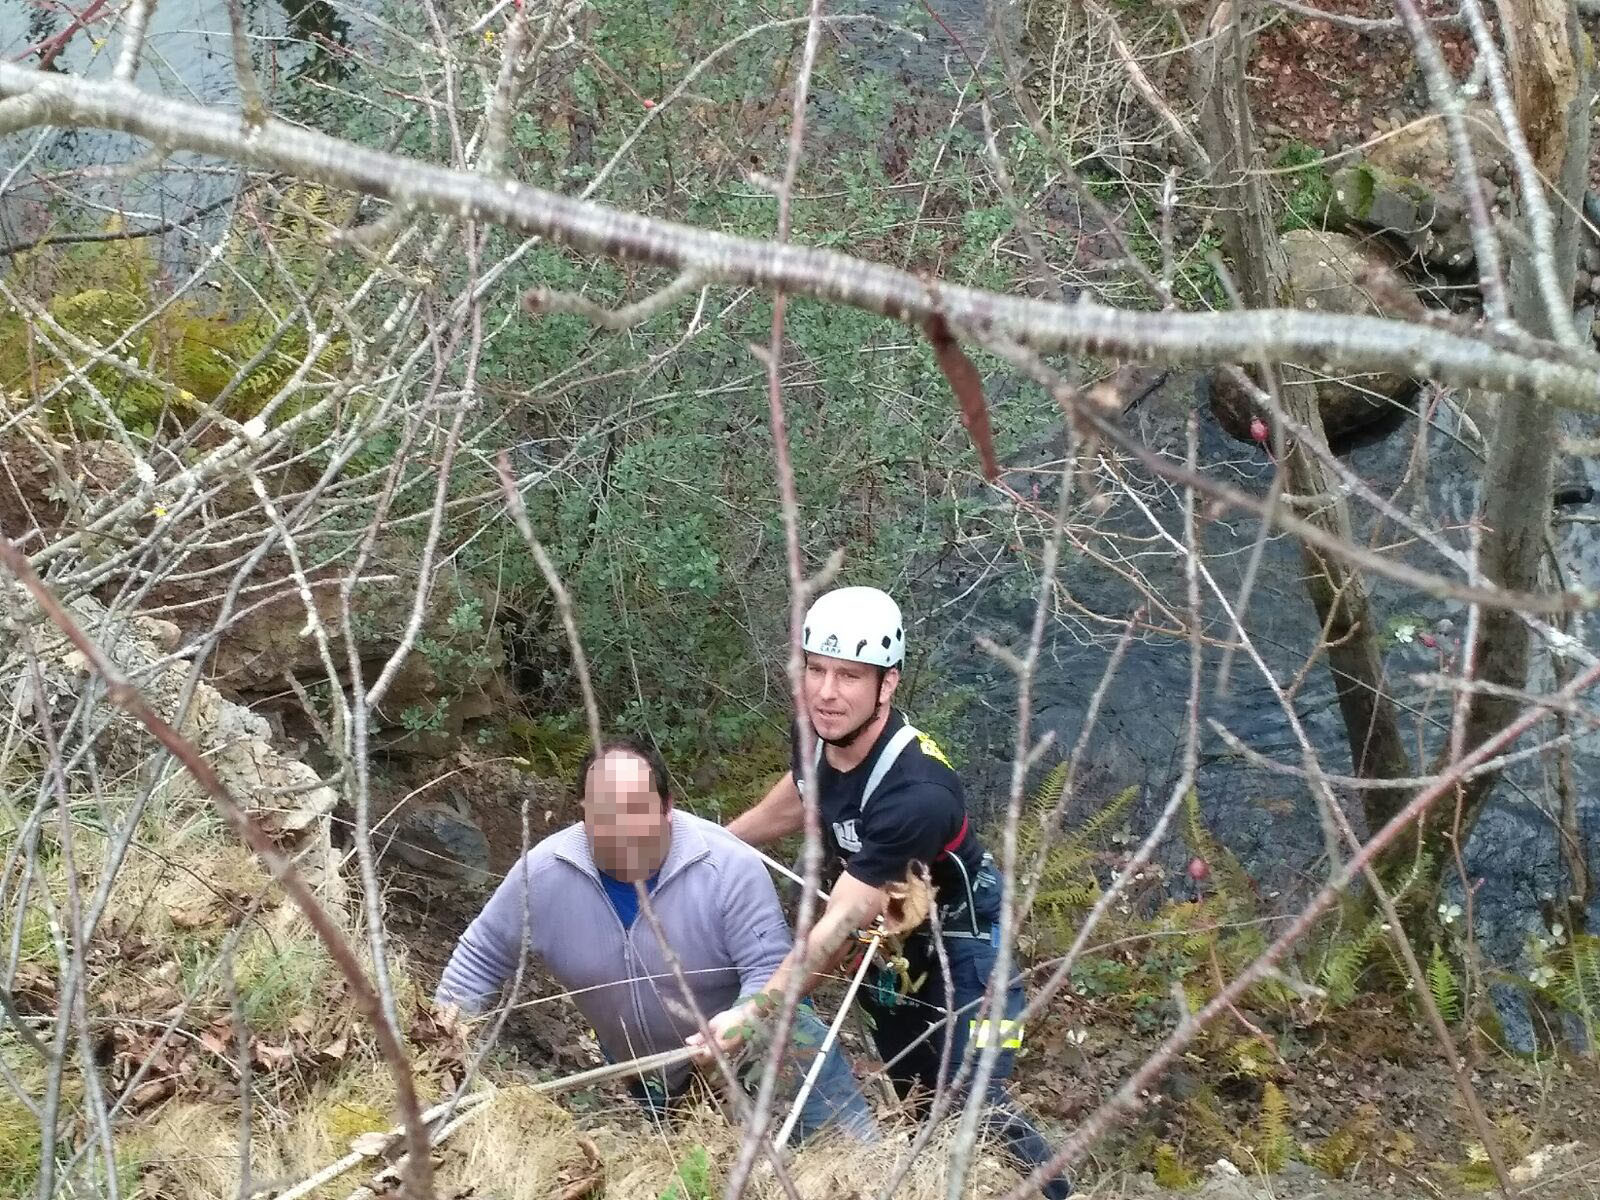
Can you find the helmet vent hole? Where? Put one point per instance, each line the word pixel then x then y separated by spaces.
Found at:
pixel 859 645
pixel 886 642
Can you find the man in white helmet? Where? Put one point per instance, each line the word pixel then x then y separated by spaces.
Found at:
pixel 890 799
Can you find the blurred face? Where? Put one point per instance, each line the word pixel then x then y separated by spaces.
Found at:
pixel 842 695
pixel 628 823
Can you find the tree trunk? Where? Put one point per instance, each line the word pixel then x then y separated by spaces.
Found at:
pixel 1337 592
pixel 1552 82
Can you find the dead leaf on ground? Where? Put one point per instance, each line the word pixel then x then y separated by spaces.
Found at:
pixel 219 1038
pixel 194 917
pixel 152 1092
pixel 33 990
pixel 371 1144
pixel 269 1057
pixel 594 1175
pixel 335 1050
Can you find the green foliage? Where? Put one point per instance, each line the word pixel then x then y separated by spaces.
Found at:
pixel 1231 886
pixel 20 1148
pixel 1170 1171
pixel 1264 1140
pixel 663 518
pixel 1067 885
pixel 694 1179
pixel 1477 1172
pixel 278 979
pixel 1443 984
pixel 1347 1145
pixel 188 350
pixel 1269 1139
pixel 1307 195
pixel 424 718
pixel 1566 970
pixel 553 745
pixel 1344 958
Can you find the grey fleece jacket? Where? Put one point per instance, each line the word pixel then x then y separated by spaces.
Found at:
pixel 716 904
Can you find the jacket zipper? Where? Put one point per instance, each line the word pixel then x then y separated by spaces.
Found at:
pixel 630 958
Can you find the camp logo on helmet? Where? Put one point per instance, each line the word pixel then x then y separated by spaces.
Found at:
pixel 830 644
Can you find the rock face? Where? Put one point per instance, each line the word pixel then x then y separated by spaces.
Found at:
pixel 1406 190
pixel 444 840
pixel 462 827
pixel 1366 198
pixel 1328 272
pixel 283 794
pixel 1422 152
pixel 452 674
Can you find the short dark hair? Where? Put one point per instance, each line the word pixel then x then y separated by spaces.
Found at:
pixel 637 748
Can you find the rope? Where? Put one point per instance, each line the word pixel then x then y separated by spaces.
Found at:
pixel 827 1042
pixel 785 871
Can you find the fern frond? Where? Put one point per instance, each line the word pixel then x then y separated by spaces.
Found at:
pixel 1109 815
pixel 1170 1171
pixel 1272 1134
pixel 1050 788
pixel 1576 986
pixel 1345 961
pixel 1442 983
pixel 1231 884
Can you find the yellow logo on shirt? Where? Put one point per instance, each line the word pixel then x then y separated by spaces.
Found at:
pixel 931 749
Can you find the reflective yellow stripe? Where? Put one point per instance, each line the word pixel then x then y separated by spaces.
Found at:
pixel 931 749
pixel 1009 1031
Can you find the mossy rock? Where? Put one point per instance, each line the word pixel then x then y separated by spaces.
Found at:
pixel 1367 196
pixel 1331 273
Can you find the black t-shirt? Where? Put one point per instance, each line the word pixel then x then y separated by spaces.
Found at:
pixel 914 814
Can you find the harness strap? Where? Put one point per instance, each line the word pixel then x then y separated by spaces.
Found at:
pixel 901 739
pixel 891 752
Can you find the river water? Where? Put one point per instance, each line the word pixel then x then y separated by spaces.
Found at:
pixel 1268 820
pixel 188 55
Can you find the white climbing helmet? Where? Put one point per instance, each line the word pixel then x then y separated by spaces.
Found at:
pixel 861 624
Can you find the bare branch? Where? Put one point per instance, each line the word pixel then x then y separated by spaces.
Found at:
pixel 1332 343
pixel 136 20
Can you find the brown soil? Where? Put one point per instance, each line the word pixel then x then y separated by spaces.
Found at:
pixel 1332 86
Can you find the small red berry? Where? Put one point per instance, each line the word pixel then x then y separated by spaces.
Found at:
pixel 1258 429
pixel 1199 870
pixel 649 103
pixel 1428 640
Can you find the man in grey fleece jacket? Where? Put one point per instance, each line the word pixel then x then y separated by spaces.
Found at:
pixel 571 903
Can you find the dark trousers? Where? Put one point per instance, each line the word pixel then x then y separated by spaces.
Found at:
pixel 898 1021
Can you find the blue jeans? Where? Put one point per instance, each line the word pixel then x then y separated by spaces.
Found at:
pixel 898 1021
pixel 834 1103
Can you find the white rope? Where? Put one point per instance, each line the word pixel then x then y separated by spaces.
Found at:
pixel 783 870
pixel 374 1148
pixel 827 1042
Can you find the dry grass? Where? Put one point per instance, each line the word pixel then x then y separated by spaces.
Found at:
pixel 521 1144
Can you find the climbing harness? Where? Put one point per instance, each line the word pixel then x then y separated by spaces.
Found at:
pixel 891 981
